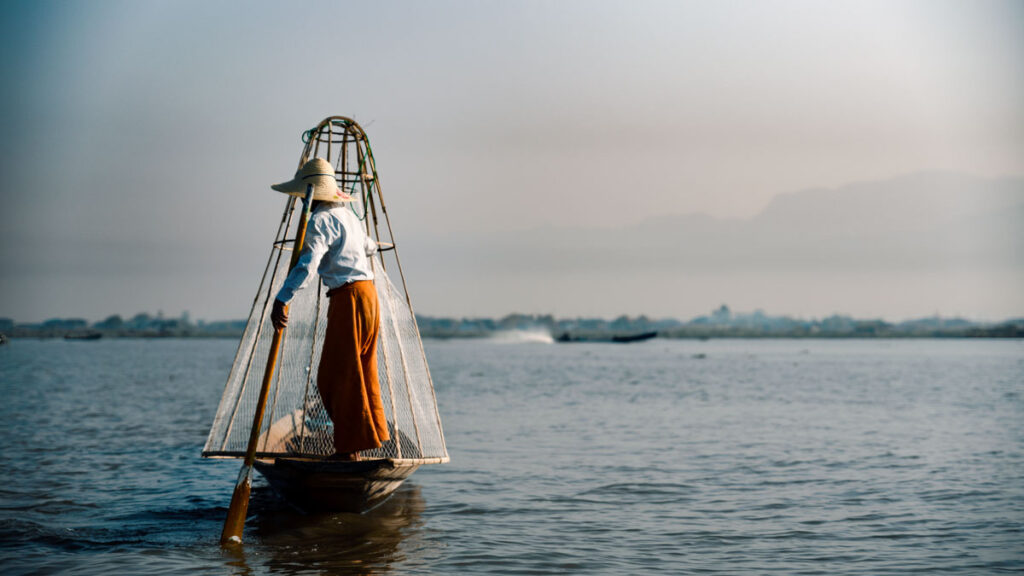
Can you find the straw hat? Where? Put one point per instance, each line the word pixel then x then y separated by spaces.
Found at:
pixel 320 174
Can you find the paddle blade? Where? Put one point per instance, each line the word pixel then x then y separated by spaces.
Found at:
pixel 234 524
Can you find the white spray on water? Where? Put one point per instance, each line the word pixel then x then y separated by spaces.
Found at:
pixel 538 335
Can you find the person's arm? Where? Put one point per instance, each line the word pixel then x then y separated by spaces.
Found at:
pixel 314 247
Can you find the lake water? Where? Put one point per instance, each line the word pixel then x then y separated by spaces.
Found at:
pixel 675 457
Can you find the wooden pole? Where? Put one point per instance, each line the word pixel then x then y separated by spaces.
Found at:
pixel 234 524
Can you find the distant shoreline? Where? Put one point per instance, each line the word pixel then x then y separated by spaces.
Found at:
pixel 722 323
pixel 974 335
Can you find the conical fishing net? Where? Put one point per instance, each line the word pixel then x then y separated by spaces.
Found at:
pixel 295 422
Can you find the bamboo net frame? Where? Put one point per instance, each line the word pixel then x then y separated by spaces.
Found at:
pixel 296 423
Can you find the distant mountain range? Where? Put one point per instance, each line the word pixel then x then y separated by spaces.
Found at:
pixel 919 220
pixel 908 246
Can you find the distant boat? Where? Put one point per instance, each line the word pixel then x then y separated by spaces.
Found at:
pixel 3 339
pixel 91 335
pixel 634 337
pixel 618 338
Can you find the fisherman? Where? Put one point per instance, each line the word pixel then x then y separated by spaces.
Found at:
pixel 337 247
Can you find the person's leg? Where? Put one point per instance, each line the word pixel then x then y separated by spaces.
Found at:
pixel 342 380
pixel 370 318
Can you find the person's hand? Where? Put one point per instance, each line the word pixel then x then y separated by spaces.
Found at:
pixel 279 316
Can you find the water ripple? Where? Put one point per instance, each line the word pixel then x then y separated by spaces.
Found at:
pixel 859 459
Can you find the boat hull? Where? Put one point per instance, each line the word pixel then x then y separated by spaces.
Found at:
pixel 332 486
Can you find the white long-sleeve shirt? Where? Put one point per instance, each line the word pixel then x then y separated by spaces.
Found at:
pixel 336 246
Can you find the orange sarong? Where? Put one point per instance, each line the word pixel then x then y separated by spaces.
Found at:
pixel 347 378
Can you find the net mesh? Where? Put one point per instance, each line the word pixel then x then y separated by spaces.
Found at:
pixel 295 422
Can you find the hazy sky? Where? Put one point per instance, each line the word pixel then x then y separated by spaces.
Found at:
pixel 139 140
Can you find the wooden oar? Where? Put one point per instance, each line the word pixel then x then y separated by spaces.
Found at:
pixel 235 522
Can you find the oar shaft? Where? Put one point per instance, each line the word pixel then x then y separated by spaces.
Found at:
pixel 234 524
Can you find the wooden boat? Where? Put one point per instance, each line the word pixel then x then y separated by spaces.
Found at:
pixel 314 484
pixel 295 436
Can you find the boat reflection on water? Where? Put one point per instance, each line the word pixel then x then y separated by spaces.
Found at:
pixel 288 542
